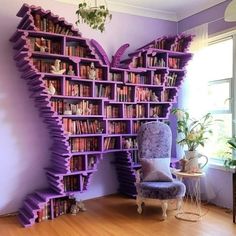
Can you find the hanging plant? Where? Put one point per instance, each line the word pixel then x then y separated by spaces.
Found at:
pixel 95 16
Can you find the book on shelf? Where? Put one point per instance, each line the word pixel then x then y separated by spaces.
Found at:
pixel 84 144
pixel 171 79
pixel 71 183
pixel 47 25
pixel 44 213
pixel 45 45
pixel 85 69
pixel 174 63
pixel 74 127
pixel 124 94
pixel 77 163
pixel 76 51
pixel 77 89
pixel 103 91
pixel 110 143
pixel 135 111
pixel 117 127
pixel 115 76
pixel 155 61
pixel 80 108
pixel 143 94
pixel 137 78
pixel 112 111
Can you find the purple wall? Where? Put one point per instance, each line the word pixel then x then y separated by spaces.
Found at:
pixel 219 180
pixel 214 16
pixel 24 140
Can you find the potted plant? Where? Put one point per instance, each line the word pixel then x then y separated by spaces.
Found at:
pixel 95 17
pixel 193 133
pixel 229 161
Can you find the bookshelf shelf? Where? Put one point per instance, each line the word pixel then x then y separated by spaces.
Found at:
pixel 91 106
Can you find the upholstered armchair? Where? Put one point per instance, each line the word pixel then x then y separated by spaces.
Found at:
pixel 155 180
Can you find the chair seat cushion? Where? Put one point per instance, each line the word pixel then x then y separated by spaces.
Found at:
pixel 162 190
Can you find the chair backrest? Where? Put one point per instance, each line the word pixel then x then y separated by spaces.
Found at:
pixel 154 140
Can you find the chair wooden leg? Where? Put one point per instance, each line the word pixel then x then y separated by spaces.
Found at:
pixel 164 206
pixel 179 204
pixel 139 202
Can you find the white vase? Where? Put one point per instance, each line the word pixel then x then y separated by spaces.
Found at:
pixel 192 163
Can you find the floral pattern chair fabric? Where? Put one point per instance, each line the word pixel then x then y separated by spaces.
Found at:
pixel 154 141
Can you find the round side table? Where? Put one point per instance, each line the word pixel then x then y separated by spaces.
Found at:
pixel 191 210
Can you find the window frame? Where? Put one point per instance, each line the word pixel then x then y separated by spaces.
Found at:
pixel 232 81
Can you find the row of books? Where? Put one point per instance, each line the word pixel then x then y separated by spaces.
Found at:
pixel 44 24
pixel 134 111
pixel 103 91
pixel 137 79
pixel 144 94
pixel 45 45
pixel 84 144
pixel 155 111
pixel 77 163
pixel 138 62
pixel 165 96
pixel 124 94
pixel 80 108
pixel 136 126
pixel 174 63
pixel 171 79
pixel 163 43
pixel 115 76
pixel 110 143
pixel 74 127
pixel 62 206
pixel 112 111
pixel 75 89
pixel 71 183
pixel 44 213
pixel 85 72
pixel 156 61
pixel 76 51
pixel 117 127
pixel 56 83
pixel 180 45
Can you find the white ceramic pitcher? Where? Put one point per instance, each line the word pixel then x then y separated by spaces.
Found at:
pixel 192 163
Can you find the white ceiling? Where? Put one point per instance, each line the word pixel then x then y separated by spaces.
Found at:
pixel 173 10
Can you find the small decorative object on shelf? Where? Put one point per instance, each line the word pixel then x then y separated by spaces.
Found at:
pixel 71 71
pixel 56 68
pixel 92 71
pixel 51 89
pixel 95 16
pixel 128 143
pixel 154 97
pixel 42 46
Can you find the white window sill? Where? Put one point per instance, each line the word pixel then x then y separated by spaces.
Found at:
pixel 220 166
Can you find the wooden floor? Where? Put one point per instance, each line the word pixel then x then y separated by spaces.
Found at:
pixel 117 215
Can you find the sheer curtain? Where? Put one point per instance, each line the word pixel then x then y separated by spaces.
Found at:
pixel 193 94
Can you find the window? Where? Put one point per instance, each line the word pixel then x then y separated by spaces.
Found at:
pixel 220 77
